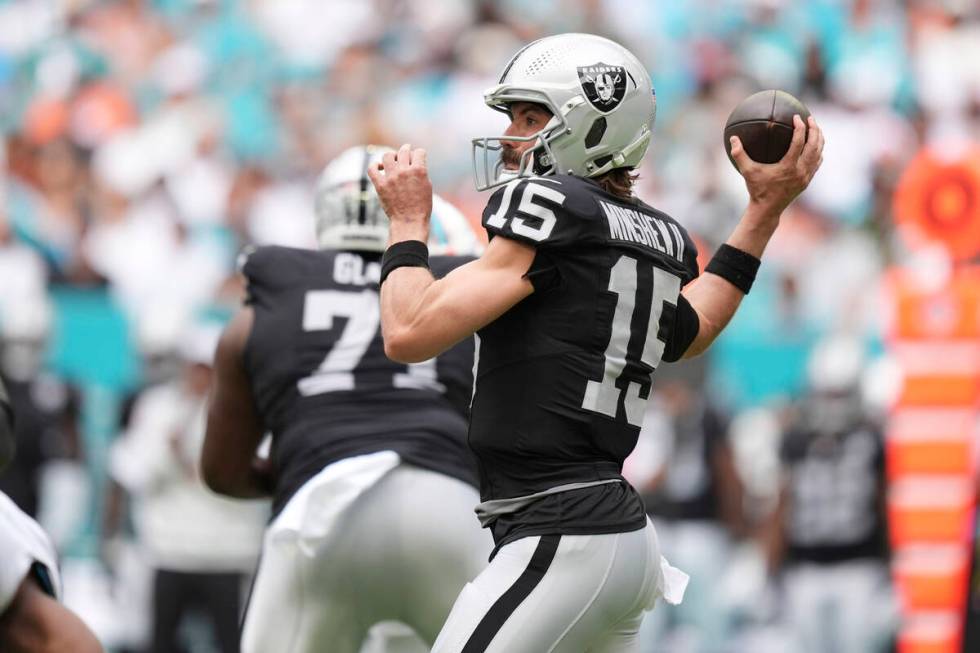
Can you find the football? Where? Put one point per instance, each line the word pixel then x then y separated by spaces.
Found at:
pixel 764 123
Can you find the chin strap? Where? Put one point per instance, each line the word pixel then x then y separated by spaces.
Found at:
pixel 621 158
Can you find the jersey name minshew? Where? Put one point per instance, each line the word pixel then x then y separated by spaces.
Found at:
pixel 630 225
pixel 322 383
pixel 564 375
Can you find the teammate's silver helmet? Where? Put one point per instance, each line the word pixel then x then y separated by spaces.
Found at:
pixel 602 104
pixel 349 213
pixel 348 210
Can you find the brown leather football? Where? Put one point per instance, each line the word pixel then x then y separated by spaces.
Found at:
pixel 764 123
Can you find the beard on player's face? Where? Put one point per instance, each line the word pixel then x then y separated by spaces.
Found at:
pixel 511 156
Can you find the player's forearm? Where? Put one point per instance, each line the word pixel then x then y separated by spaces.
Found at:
pixel 404 301
pixel 422 317
pixel 716 299
pixel 771 536
pixel 755 228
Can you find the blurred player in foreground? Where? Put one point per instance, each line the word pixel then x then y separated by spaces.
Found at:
pixel 31 618
pixel 373 486
pixel 576 300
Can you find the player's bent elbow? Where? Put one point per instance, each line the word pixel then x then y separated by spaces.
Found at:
pixel 403 347
pixel 695 350
pixel 703 341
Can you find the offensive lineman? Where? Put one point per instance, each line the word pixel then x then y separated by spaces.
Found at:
pixel 371 479
pixel 31 618
pixel 576 300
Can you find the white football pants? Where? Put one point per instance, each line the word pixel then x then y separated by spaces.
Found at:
pixel 563 594
pixel 401 546
pixel 846 607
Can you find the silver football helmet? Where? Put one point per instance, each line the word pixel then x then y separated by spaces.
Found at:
pixel 348 210
pixel 349 213
pixel 602 104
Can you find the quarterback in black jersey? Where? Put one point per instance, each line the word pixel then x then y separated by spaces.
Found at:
pixel 582 291
pixel 371 480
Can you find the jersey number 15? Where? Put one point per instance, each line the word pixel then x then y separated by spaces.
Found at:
pixel 624 280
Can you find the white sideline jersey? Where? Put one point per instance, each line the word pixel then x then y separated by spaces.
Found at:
pixel 24 549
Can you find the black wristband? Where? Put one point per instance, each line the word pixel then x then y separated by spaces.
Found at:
pixel 734 266
pixel 408 253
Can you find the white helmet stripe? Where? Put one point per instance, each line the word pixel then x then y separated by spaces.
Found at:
pixel 362 200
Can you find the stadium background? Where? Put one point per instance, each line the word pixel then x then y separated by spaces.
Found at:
pixel 146 143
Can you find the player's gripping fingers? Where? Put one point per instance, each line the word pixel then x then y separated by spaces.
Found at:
pixel 799 137
pixel 814 143
pixel 375 173
pixel 812 155
pixel 388 163
pixel 419 159
pixel 742 159
pixel 404 156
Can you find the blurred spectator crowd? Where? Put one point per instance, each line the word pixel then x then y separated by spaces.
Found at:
pixel 147 142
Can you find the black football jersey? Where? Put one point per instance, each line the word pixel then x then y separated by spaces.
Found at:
pixel 323 385
pixel 835 483
pixel 689 490
pixel 563 377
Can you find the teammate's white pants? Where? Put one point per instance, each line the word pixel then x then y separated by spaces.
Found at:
pixel 702 549
pixel 562 594
pixel 846 607
pixel 344 554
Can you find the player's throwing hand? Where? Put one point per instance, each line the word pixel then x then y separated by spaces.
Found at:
pixel 775 185
pixel 402 182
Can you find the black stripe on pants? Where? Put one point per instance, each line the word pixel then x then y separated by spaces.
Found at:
pixel 500 612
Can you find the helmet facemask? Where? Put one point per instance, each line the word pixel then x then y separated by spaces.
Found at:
pixel 488 164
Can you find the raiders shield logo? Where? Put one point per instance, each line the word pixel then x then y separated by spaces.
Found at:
pixel 604 85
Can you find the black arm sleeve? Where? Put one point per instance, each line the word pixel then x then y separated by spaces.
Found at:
pixel 686 325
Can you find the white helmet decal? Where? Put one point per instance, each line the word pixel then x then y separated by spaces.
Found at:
pixel 604 85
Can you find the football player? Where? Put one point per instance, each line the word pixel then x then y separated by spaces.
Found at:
pixel 372 484
pixel 577 298
pixel 828 537
pixel 31 618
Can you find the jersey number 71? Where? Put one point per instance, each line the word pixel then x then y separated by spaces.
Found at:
pixel 362 312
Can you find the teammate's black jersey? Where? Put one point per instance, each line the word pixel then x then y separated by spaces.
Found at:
pixel 836 485
pixel 690 490
pixel 563 377
pixel 323 385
